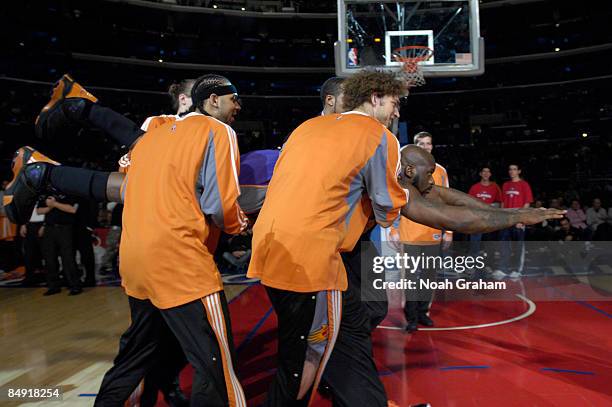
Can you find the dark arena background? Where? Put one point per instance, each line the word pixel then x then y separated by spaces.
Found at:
pixel 541 102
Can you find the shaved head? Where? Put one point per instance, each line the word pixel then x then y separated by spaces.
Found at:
pixel 414 155
pixel 417 167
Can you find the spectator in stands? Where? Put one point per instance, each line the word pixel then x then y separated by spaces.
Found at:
pixel 576 215
pixel 596 215
pixel 541 231
pixel 556 204
pixel 567 232
pixel 516 194
pixel 577 219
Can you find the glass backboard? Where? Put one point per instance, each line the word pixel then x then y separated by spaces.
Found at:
pixel 369 33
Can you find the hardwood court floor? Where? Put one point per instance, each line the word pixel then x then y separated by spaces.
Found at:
pixel 62 340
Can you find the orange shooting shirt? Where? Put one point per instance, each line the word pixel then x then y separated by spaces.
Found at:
pixel 183 181
pixel 414 232
pixel 314 208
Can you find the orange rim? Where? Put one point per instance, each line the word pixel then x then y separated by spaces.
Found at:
pixel 420 53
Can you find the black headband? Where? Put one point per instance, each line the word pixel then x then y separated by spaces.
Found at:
pixel 201 93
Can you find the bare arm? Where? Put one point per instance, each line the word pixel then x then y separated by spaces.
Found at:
pixel 65 207
pixel 452 197
pixel 43 211
pixel 470 220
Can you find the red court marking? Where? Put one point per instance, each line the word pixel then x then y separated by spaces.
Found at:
pixel 560 334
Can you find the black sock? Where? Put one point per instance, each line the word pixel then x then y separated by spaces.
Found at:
pixel 120 128
pixel 80 182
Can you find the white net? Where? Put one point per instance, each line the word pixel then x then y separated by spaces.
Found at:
pixel 410 57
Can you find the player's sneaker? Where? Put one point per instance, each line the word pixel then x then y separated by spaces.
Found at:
pixel 30 177
pixel 498 275
pixel 68 104
pixel 515 275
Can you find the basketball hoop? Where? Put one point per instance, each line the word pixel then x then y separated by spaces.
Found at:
pixel 410 56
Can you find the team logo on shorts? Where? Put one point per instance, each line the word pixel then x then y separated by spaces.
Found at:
pixel 319 335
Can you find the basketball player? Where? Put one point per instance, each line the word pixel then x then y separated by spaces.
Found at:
pixel 43 173
pixel 417 304
pixel 332 95
pixel 168 271
pixel 301 229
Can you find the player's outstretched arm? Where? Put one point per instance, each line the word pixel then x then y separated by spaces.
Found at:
pixel 470 220
pixel 453 197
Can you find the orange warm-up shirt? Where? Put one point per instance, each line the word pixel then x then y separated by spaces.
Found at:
pixel 183 179
pixel 413 232
pixel 314 207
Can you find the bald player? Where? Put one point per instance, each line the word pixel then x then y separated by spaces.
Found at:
pixel 413 234
pixel 447 208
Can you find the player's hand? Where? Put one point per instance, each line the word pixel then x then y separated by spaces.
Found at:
pixel 50 202
pixel 531 216
pixel 23 230
pixel 41 231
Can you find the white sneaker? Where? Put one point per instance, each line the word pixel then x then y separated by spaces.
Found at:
pixel 498 274
pixel 515 274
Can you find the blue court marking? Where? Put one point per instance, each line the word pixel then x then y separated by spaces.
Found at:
pixel 385 373
pixel 583 303
pixel 550 369
pixel 251 334
pixel 464 367
pixel 88 394
pixel 594 308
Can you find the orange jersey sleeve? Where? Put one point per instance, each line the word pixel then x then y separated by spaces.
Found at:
pixel 219 180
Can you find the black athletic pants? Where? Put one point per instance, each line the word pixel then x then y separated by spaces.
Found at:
pixel 58 241
pixel 351 373
pixel 418 301
pixel 85 183
pixel 203 330
pixel 308 325
pixel 83 244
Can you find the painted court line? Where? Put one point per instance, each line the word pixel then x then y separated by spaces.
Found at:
pixel 530 310
pixel 550 369
pixel 464 367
